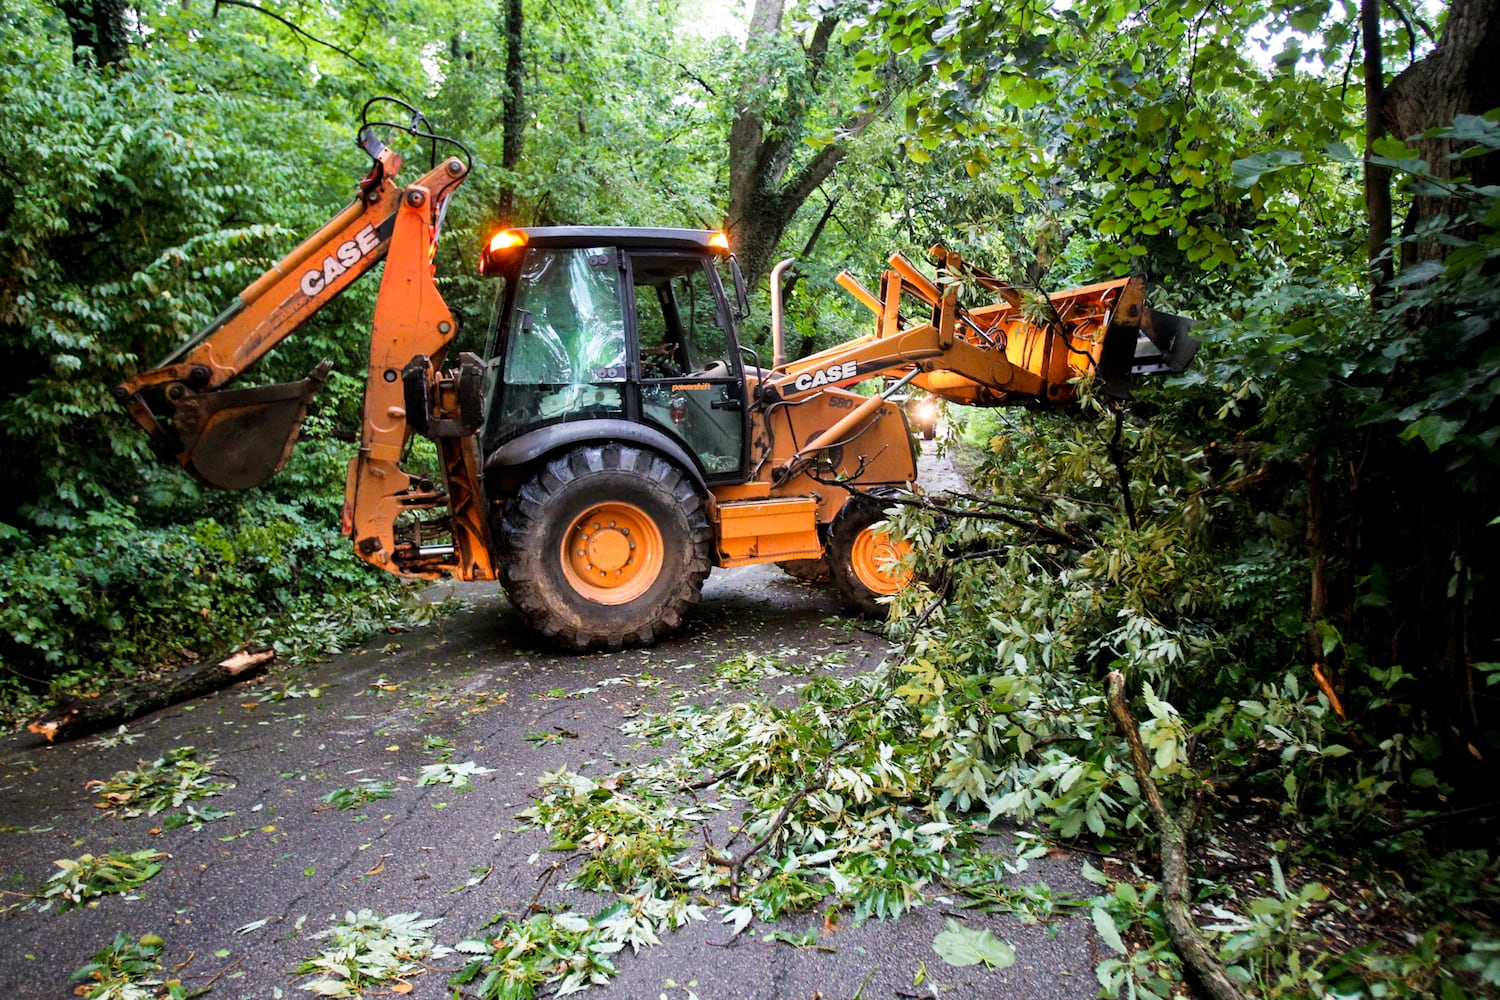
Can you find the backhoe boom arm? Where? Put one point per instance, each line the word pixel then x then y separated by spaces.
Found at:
pixel 238 438
pixel 234 438
pixel 1022 349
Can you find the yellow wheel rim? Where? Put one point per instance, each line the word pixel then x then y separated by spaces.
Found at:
pixel 878 562
pixel 612 553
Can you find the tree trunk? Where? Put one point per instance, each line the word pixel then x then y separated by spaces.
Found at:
pixel 513 124
pixel 98 30
pixel 1420 523
pixel 765 191
pixel 1377 178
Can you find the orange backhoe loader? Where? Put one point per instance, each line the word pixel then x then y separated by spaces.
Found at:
pixel 615 442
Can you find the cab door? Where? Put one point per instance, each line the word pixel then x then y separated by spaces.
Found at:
pixel 563 345
pixel 691 380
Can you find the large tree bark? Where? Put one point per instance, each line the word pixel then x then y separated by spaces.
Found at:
pixel 1416 521
pixel 767 185
pixel 1459 77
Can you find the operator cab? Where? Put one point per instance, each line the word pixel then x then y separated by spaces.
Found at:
pixel 615 333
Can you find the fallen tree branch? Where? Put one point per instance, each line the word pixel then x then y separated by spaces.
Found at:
pixel 1198 960
pixel 711 780
pixel 1032 523
pixel 1117 456
pixel 80 718
pixel 737 865
pixel 541 883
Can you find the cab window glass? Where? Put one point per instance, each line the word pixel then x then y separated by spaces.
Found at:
pixel 689 386
pixel 565 354
pixel 662 354
pixel 707 341
pixel 568 325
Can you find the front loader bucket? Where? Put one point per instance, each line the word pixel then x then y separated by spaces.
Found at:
pixel 1174 346
pixel 1159 345
pixel 237 438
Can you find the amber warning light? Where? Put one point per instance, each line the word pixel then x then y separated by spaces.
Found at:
pixel 719 241
pixel 505 239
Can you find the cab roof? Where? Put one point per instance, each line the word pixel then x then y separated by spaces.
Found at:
pixel 626 237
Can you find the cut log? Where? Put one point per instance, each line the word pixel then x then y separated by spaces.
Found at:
pixel 84 717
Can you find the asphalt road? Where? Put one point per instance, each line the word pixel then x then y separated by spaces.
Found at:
pixel 285 865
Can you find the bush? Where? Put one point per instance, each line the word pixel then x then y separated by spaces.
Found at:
pixel 117 596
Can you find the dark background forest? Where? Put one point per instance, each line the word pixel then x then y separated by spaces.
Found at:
pixel 1301 585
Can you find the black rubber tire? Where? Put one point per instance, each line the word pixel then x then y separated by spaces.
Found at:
pixel 849 523
pixel 537 517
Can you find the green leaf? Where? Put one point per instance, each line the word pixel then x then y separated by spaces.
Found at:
pixel 1166 754
pixel 1434 430
pixel 1246 173
pixel 1108 932
pixel 1485 134
pixel 958 945
pixel 1393 149
pixel 1419 273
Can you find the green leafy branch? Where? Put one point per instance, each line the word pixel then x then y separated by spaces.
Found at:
pixel 88 877
pixel 128 969
pixel 368 790
pixel 370 950
pixel 173 779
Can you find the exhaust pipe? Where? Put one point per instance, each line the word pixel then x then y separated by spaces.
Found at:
pixel 778 338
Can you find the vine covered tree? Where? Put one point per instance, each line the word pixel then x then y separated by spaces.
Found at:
pixel 783 141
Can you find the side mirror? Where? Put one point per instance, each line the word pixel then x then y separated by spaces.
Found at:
pixel 741 299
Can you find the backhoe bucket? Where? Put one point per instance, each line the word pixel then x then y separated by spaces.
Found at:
pixel 238 438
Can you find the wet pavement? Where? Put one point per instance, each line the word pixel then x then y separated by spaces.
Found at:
pixel 239 897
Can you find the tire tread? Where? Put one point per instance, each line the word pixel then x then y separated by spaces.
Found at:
pixel 524 521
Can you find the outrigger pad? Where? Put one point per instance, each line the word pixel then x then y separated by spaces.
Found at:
pixel 238 438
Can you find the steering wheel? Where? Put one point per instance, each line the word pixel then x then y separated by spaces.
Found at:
pixel 719 369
